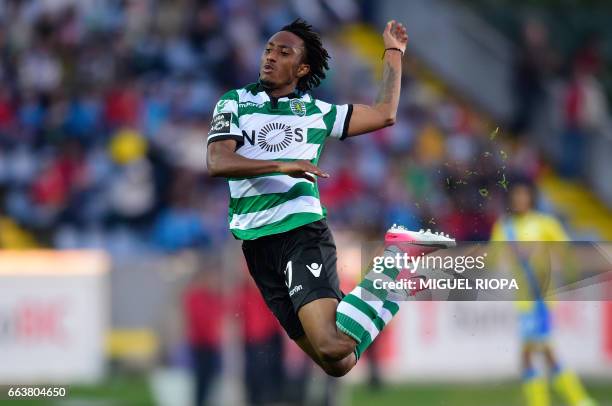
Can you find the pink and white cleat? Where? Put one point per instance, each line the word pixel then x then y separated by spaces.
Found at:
pixel 416 243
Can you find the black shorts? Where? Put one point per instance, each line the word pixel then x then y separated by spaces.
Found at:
pixel 292 269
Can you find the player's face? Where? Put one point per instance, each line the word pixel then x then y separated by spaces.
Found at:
pixel 281 61
pixel 520 199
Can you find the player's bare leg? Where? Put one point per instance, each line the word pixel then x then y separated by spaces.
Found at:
pixel 551 358
pixel 333 350
pixel 526 354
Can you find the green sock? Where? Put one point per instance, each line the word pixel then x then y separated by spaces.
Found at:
pixel 365 311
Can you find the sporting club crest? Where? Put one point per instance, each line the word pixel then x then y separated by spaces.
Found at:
pixel 298 107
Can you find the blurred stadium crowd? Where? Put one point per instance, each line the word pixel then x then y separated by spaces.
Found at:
pixel 105 107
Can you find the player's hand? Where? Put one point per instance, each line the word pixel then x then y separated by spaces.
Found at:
pixel 395 35
pixel 302 169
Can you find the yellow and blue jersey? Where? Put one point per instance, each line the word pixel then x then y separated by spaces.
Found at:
pixel 531 226
pixel 532 268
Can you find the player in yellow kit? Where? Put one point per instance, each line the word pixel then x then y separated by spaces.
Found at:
pixel 525 224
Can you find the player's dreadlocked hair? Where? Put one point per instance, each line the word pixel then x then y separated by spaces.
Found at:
pixel 316 56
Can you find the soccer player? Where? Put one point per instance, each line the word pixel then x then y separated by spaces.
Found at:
pixel 526 224
pixel 266 139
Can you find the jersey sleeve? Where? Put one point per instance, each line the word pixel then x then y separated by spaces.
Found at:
pixel 336 118
pixel 224 124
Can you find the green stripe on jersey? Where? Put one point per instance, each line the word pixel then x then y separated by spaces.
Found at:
pixel 231 95
pixel 252 204
pixel 288 223
pixel 330 118
pixel 316 135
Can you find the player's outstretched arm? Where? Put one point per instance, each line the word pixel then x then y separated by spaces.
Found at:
pixel 382 113
pixel 222 161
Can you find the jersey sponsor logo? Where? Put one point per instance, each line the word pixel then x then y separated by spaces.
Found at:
pixel 274 137
pixel 295 290
pixel 288 274
pixel 298 107
pixel 315 269
pixel 250 104
pixel 220 123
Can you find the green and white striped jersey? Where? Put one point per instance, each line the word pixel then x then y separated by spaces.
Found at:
pixel 282 129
